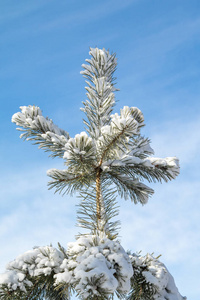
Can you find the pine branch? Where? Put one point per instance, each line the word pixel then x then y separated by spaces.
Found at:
pixel 100 89
pixel 130 187
pixel 108 142
pixel 98 267
pixel 151 280
pixel 149 168
pixel 114 139
pixel 41 130
pixel 141 289
pixel 66 182
pixel 87 211
pixel 80 154
pixel 31 276
pixel 139 146
pixel 42 289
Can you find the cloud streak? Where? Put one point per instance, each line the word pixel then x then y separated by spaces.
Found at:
pixel 30 215
pixel 178 138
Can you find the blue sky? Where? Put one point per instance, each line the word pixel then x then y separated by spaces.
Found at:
pixel 43 44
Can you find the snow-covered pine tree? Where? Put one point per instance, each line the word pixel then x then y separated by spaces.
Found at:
pixel 110 159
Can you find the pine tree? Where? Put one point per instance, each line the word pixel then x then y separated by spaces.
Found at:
pixel 110 158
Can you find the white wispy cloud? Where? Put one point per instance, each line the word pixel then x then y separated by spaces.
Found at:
pixel 150 55
pixel 67 18
pixel 19 10
pixel 179 137
pixel 87 15
pixel 31 215
pixel 163 40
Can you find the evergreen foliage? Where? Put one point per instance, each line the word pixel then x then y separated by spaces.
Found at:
pixel 112 158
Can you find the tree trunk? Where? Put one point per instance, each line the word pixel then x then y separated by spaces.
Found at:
pixel 98 195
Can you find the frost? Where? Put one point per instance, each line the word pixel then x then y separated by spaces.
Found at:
pixel 31 116
pixel 126 124
pixel 43 130
pixel 81 145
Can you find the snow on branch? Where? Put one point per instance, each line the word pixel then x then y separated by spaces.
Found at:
pixel 130 187
pixel 156 282
pixel 150 168
pixel 131 112
pixel 97 266
pixel 102 63
pixel 139 147
pixel 115 136
pixel 91 266
pixel 41 130
pixel 80 152
pixel 99 72
pixel 128 171
pixel 39 261
pixel 65 181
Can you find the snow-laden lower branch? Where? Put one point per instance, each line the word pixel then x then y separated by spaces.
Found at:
pixel 92 266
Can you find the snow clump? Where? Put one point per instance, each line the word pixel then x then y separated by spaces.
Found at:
pixel 157 276
pixel 92 265
pixel 95 266
pixel 39 261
